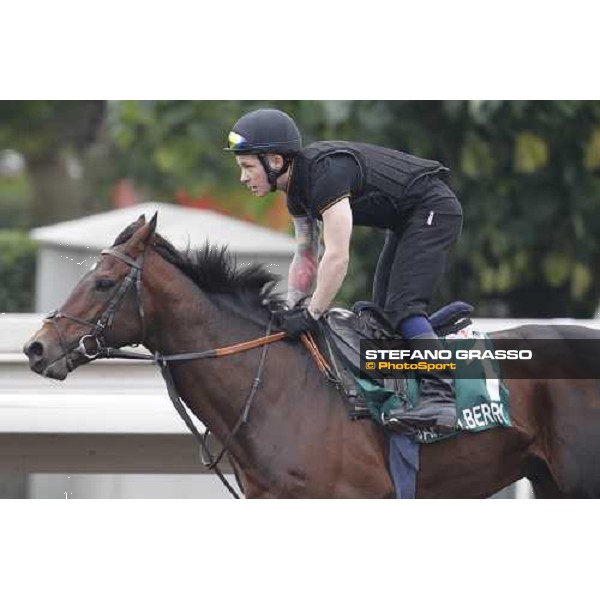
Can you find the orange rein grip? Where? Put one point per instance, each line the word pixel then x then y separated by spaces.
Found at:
pixel 269 339
pixel 315 352
pixel 307 340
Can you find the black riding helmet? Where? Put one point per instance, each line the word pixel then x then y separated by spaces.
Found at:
pixel 262 131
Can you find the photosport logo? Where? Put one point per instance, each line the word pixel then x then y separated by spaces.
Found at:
pixel 483 357
pixel 405 360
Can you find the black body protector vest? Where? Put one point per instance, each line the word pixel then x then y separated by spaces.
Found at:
pixel 385 183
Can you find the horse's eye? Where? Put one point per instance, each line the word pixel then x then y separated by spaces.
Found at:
pixel 104 284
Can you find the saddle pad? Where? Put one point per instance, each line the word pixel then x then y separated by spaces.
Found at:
pixel 481 403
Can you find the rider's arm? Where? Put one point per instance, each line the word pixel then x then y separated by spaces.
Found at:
pixel 337 222
pixel 302 275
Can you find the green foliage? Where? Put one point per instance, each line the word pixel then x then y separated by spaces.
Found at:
pixel 54 137
pixel 41 128
pixel 527 175
pixel 526 172
pixel 17 271
pixel 170 145
pixel 15 206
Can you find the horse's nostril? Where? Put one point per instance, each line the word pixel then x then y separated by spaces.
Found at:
pixel 35 349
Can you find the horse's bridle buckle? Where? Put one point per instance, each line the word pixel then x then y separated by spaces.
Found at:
pixel 83 350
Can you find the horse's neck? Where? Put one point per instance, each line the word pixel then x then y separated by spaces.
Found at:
pixel 294 413
pixel 214 388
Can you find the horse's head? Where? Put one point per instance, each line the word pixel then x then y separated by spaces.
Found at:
pixel 104 310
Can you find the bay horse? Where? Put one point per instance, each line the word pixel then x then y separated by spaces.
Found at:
pixel 298 441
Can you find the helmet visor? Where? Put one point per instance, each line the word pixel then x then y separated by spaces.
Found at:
pixel 237 142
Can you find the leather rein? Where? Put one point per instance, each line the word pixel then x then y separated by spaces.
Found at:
pixel 102 350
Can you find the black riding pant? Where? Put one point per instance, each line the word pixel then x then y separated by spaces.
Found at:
pixel 413 260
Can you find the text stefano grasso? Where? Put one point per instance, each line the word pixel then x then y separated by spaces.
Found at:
pixel 458 354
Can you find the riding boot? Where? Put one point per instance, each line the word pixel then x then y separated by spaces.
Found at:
pixel 436 408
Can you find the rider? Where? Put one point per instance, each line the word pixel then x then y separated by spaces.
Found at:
pixel 342 184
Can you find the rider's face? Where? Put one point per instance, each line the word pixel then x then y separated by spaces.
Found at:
pixel 253 175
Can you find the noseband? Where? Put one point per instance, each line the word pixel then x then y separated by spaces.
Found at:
pixel 105 320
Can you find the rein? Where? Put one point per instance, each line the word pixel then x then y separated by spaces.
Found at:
pixel 103 351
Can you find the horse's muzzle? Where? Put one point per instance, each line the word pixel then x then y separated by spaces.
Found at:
pixel 45 358
pixel 34 350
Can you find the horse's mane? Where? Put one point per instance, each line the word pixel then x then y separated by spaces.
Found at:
pixel 214 270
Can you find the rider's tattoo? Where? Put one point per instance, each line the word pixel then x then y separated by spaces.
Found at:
pixel 302 276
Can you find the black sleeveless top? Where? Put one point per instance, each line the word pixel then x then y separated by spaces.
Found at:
pixel 383 185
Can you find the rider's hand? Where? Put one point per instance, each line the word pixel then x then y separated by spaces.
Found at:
pixel 295 321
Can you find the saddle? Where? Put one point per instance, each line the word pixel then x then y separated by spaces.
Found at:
pixel 342 331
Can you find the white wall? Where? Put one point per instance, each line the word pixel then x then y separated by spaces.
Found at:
pixel 82 486
pixel 58 271
pixel 60 268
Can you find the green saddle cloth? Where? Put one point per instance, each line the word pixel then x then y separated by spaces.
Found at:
pixel 482 402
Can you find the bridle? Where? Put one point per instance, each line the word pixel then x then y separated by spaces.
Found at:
pixel 105 320
pixel 99 327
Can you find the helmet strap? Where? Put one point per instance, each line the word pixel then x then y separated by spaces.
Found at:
pixel 273 174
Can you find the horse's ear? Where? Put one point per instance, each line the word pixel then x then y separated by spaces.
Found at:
pixel 152 222
pixel 141 221
pixel 141 238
